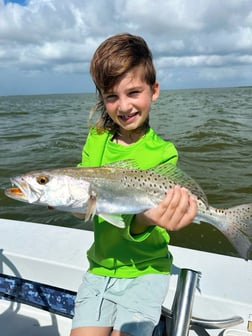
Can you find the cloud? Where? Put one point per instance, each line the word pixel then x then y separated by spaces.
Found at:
pixel 56 39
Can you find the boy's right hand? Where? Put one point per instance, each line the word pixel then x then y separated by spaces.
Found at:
pixel 176 211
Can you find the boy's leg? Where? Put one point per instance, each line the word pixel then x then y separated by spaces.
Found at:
pixel 93 314
pixel 139 302
pixel 91 331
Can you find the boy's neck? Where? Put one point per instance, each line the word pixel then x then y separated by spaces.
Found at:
pixel 127 138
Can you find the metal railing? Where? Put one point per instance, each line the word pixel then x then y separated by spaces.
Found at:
pixel 179 320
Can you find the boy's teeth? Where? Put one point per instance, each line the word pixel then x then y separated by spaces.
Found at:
pixel 128 116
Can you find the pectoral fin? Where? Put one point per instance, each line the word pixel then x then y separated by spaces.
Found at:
pixel 113 219
pixel 91 207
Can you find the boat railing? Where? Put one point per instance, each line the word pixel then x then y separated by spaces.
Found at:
pixel 179 320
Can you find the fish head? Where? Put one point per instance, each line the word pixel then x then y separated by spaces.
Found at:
pixel 52 189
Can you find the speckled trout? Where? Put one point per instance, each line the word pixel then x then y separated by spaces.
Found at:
pixel 121 188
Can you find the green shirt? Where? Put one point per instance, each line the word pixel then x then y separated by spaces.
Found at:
pixel 115 252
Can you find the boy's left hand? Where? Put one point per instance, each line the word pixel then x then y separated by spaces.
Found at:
pixel 177 210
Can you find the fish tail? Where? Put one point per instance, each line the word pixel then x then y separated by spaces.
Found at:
pixel 238 228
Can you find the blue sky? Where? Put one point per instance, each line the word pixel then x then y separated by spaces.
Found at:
pixel 20 2
pixel 46 45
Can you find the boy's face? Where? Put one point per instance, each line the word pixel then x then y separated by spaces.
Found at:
pixel 128 103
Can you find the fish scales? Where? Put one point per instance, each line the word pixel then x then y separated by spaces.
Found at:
pixel 150 180
pixel 122 188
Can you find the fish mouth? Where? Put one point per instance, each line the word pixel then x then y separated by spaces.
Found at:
pixel 128 117
pixel 14 192
pixel 20 190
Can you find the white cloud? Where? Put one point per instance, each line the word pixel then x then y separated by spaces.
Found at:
pixel 193 37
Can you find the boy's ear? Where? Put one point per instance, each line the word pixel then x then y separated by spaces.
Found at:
pixel 155 91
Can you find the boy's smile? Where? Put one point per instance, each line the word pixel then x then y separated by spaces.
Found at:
pixel 128 103
pixel 128 117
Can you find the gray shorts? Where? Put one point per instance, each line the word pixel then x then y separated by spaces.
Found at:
pixel 130 305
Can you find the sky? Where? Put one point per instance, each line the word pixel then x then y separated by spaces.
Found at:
pixel 46 45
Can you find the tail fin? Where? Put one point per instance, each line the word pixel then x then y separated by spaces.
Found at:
pixel 238 228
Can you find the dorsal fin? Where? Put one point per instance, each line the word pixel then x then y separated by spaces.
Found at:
pixel 168 170
pixel 123 164
pixel 177 175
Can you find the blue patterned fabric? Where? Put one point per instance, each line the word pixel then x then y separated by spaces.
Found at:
pixel 53 299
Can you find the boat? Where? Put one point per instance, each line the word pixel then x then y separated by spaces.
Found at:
pixel 41 267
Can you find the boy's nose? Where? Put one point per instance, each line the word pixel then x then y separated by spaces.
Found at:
pixel 124 105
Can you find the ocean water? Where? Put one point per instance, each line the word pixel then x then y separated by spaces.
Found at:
pixel 211 128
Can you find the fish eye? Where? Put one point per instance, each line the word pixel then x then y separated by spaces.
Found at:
pixel 42 179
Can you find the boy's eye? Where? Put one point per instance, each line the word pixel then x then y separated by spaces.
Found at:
pixel 110 98
pixel 134 92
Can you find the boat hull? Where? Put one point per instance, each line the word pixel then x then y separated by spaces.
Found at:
pixel 55 256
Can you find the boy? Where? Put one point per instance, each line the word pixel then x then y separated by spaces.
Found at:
pixel 127 281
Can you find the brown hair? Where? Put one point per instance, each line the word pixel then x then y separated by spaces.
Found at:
pixel 114 58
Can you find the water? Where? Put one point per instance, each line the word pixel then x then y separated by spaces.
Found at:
pixel 212 129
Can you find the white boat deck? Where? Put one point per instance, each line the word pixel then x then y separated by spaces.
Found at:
pixel 20 319
pixel 56 256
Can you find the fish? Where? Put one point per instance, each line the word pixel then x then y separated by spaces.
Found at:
pixel 122 188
